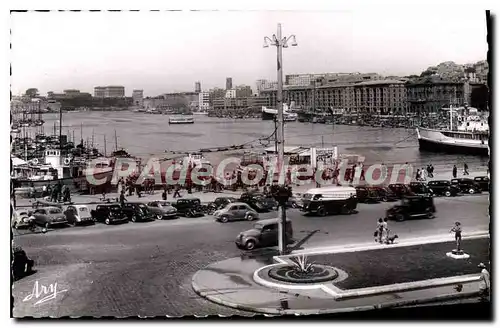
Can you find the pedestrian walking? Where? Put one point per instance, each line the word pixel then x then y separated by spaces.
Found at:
pixel 454 171
pixel 466 169
pixel 177 192
pixel 484 284
pixel 431 167
pixel 417 175
pixel 385 227
pixel 122 198
pixel 380 230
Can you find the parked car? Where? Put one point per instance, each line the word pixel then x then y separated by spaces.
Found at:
pixel 221 202
pixel 78 214
pixel 236 211
pixel 367 195
pixel 484 183
pixel 384 193
pixel 189 207
pixel 466 185
pixel 263 234
pixel 49 216
pixel 22 265
pixel 412 207
pixel 259 202
pixel 20 219
pixel 163 210
pixel 400 190
pixel 138 212
pixel 442 188
pixel 419 188
pixel 109 213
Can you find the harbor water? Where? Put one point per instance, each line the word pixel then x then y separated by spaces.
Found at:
pixel 145 135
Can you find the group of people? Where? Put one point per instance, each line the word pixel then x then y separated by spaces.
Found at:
pixel 423 173
pixel 57 193
pixel 455 170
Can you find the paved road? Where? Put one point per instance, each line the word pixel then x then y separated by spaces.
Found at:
pixel 146 268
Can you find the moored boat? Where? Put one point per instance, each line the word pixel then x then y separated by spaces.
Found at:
pixel 187 119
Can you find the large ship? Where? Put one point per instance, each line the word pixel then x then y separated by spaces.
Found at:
pixel 270 114
pixel 470 136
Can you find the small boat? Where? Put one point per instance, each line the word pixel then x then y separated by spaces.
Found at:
pixel 181 120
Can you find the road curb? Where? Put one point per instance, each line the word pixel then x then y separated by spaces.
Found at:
pixel 216 300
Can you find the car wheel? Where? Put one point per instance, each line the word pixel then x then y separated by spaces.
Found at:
pixel 224 219
pixel 471 191
pixel 384 199
pixel 249 245
pixel 134 218
pixel 321 211
pixel 430 215
pixel 447 193
pixel 46 225
pixel 250 217
pixel 400 217
pixel 159 217
pixel 107 221
pixel 431 192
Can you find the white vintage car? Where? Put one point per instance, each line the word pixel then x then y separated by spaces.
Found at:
pixel 78 214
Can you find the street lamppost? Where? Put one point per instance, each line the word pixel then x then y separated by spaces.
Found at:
pixel 280 42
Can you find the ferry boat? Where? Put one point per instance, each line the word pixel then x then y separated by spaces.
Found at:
pixel 470 137
pixel 181 120
pixel 270 114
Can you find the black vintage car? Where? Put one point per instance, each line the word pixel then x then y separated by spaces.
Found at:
pixel 22 265
pixel 442 188
pixel 412 207
pixel 367 195
pixel 484 183
pixel 109 213
pixel 259 202
pixel 466 185
pixel 384 193
pixel 419 188
pixel 400 190
pixel 189 207
pixel 221 202
pixel 138 212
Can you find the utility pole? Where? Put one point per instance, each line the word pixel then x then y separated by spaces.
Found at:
pixel 92 138
pixel 60 135
pixel 322 142
pixel 81 132
pixel 116 142
pixel 280 42
pixel 104 145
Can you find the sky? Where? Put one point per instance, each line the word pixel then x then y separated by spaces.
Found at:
pixel 162 52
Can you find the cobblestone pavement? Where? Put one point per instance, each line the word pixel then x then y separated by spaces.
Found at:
pixel 146 268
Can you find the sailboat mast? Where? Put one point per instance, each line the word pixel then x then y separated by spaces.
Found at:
pixel 116 142
pixel 105 153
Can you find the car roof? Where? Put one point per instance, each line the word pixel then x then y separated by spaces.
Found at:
pixel 272 221
pixel 331 189
pixel 79 206
pixel 189 199
pixel 49 208
pixel 439 181
pixel 237 203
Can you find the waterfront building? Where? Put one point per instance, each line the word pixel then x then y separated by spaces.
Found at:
pixel 138 97
pixel 263 84
pixel 229 83
pixel 197 87
pixel 382 97
pixel 110 91
pixel 243 91
pixel 204 101
pixel 216 93
pixel 180 99
pixel 431 93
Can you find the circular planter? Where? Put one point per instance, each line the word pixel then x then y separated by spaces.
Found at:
pixel 288 273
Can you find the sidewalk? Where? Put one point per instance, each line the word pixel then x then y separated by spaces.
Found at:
pixel 205 197
pixel 230 283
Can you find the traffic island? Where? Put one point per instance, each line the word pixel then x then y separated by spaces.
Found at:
pixel 363 280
